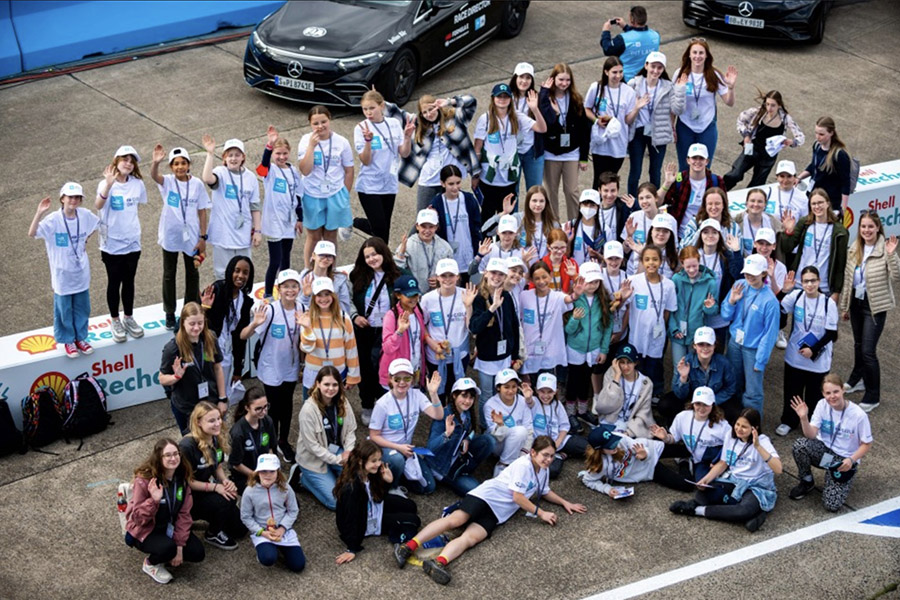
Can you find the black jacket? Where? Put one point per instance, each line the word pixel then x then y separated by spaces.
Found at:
pixel 578 126
pixel 486 337
pixel 215 317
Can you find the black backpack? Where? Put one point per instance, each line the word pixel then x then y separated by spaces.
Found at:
pixel 41 417
pixel 11 439
pixel 84 408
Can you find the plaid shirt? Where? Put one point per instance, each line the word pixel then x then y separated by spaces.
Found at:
pixel 458 141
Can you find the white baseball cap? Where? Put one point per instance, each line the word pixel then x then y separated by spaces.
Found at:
pixel 546 380
pixel 698 150
pixel 590 196
pixel 765 234
pixel 786 166
pixel 325 248
pixel 755 264
pixel 400 365
pixel 710 223
pixel 322 284
pixel 515 261
pixel 704 395
pixel 427 215
pixel 446 265
pixel 665 221
pixel 465 383
pixel 504 376
pixel 508 223
pixel 71 189
pixel 613 249
pixel 524 68
pixel 233 143
pixel 179 152
pixel 497 264
pixel 287 275
pixel 656 57
pixel 268 462
pixel 125 151
pixel 591 272
pixel 705 335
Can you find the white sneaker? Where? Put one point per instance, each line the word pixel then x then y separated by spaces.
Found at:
pixel 859 387
pixel 157 572
pixel 782 430
pixel 366 416
pixel 118 330
pixel 781 342
pixel 869 406
pixel 134 330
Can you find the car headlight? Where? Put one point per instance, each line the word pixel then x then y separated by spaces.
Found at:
pixel 260 45
pixel 358 62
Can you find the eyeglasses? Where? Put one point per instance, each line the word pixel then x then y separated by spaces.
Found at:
pixel 805 281
pixel 558 248
pixel 406 379
pixel 171 455
pixel 261 408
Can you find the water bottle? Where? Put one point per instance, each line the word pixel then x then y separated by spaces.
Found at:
pixel 121 503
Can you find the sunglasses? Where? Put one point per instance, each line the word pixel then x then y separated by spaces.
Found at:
pixel 407 379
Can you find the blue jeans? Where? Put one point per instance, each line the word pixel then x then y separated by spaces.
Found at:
pixel 742 360
pixel 532 169
pixel 70 317
pixel 486 384
pixel 181 419
pixel 294 559
pixel 679 351
pixel 321 484
pixel 640 144
pixel 480 448
pixel 686 136
pixel 396 462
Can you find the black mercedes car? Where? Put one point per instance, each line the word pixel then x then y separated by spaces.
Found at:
pixel 762 20
pixel 333 52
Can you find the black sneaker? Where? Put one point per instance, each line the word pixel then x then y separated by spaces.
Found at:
pixel 683 507
pixel 574 425
pixel 590 418
pixel 287 452
pixel 800 491
pixel 438 572
pixel 221 541
pixel 756 522
pixel 170 322
pixel 294 478
pixel 401 554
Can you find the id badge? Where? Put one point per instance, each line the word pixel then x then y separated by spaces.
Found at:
pixel 185 234
pixel 539 348
pixel 501 346
pixel 203 389
pixel 739 337
pixel 657 331
pixel 372 524
pixel 695 114
pixel 395 167
pixel 859 293
pixel 565 139
pixel 454 246
pixel 334 448
pixel 682 327
pixel 748 149
pixel 170 530
pixel 327 363
pixel 828 459
pixel 239 222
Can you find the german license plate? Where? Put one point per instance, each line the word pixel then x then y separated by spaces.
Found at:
pixel 745 22
pixel 295 84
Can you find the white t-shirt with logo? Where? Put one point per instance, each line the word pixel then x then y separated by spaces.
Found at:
pixel 380 175
pixel 457 230
pixel 179 220
pixel 842 431
pixel 743 460
pixel 778 202
pixel 642 227
pixel 698 188
pixel 335 154
pixel 501 146
pixel 546 348
pixel 520 477
pixel 811 316
pixel 445 319
pixel 439 156
pixel 816 251
pixel 233 199
pixel 279 359
pixel 513 416
pixel 647 315
pixel 283 187
pixel 396 418
pixel 616 103
pixel 70 270
pixel 700 103
pixel 698 435
pixel 549 419
pixel 120 227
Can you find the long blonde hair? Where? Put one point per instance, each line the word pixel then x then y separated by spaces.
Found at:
pixel 548 218
pixel 337 315
pixel 185 348
pixel 857 251
pixel 511 118
pixel 204 441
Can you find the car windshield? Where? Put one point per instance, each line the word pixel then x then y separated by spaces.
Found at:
pixel 391 4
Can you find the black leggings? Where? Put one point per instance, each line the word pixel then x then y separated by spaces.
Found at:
pixel 399 521
pixel 281 407
pixel 161 548
pixel 378 209
pixel 368 344
pixel 741 512
pixel 279 259
pixel 221 514
pixel 604 164
pixel 580 387
pixel 672 479
pixel 120 271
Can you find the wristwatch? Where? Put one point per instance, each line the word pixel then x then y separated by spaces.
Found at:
pixel 204 237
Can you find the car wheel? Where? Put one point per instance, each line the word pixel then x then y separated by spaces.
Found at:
pixel 400 77
pixel 818 32
pixel 513 19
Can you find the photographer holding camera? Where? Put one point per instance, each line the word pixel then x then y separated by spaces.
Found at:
pixel 635 42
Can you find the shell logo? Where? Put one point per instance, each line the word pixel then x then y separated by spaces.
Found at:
pixel 35 344
pixel 258 294
pixel 54 380
pixel 848 218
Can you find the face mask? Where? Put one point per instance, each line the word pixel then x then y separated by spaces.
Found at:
pixel 588 212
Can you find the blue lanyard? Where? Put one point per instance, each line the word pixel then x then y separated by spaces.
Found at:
pixel 618 103
pixel 326 341
pixel 182 200
pixel 445 317
pixel 454 222
pixel 746 306
pixel 240 197
pixel 386 138
pixel 542 316
pixel 807 318
pixel 72 242
pixel 405 418
pixel 699 433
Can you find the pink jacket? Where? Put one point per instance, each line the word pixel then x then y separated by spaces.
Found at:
pixel 141 513
pixel 397 346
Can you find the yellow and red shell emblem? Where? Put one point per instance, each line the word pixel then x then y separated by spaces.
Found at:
pixel 848 218
pixel 258 294
pixel 35 344
pixel 54 380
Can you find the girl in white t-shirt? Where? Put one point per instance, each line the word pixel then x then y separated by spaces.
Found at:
pixel 65 235
pixel 754 218
pixel 740 488
pixel 637 226
pixel 234 222
pixel 489 505
pixel 326 162
pixel 548 417
pixel 182 225
pixel 507 417
pixel 662 235
pixel 613 107
pixel 283 188
pixel 541 310
pixel 503 247
pixel 380 142
pixel 497 135
pixel 702 81
pixel 118 196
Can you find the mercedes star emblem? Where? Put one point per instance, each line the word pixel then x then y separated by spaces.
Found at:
pixel 295 69
pixel 315 32
pixel 745 8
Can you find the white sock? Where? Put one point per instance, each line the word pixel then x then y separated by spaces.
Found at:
pixel 700 511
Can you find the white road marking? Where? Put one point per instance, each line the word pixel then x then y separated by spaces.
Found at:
pixel 851 522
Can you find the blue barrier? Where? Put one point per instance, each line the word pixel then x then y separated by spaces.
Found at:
pixel 42 34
